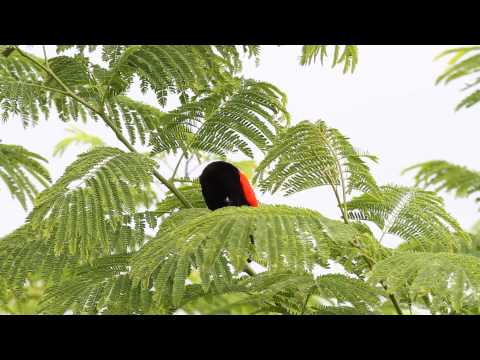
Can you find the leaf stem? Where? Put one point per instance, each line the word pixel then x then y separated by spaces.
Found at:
pixel 342 209
pixel 392 297
pixel 176 167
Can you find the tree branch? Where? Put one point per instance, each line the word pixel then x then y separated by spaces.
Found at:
pixel 118 134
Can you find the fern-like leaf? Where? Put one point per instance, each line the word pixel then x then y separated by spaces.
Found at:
pixel 308 155
pixel 134 118
pixel 26 89
pixel 173 69
pixel 446 281
pixel 104 287
pixel 349 55
pixel 171 203
pixel 78 137
pixel 225 119
pixel 442 175
pixel 347 291
pixel 285 293
pixel 415 215
pixel 461 66
pixel 94 193
pixel 284 238
pixel 24 253
pixel 16 163
pixel 338 310
pixel 80 48
pixel 21 89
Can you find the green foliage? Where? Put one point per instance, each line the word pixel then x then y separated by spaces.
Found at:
pixel 442 175
pixel 23 253
pixel 286 293
pixel 79 48
pixel 347 291
pixel 349 55
pixel 359 254
pixel 192 193
pixel 21 89
pixel 296 294
pixel 16 163
pixel 338 310
pixel 27 90
pixel 24 302
pixel 168 69
pixel 136 119
pixel 93 197
pixel 446 282
pixel 78 137
pixel 229 303
pixel 6 50
pixel 475 235
pixel 72 71
pixel 101 288
pixel 223 120
pixel 415 215
pixel 101 242
pixel 281 293
pixel 284 238
pixel 465 63
pixel 308 155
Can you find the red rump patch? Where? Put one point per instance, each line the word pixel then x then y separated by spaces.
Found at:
pixel 248 190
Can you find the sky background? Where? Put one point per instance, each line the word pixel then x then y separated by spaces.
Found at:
pixel 389 106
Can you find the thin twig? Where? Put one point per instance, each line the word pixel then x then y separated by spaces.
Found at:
pixel 343 210
pixel 176 167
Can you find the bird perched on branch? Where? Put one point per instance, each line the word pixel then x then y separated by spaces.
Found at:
pixel 225 185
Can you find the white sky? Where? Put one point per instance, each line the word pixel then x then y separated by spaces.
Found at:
pixel 389 106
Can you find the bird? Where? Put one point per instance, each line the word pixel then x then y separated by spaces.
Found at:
pixel 223 185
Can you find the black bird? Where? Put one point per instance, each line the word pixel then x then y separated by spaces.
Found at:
pixel 225 185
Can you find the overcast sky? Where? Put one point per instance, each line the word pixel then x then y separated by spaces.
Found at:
pixel 389 106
